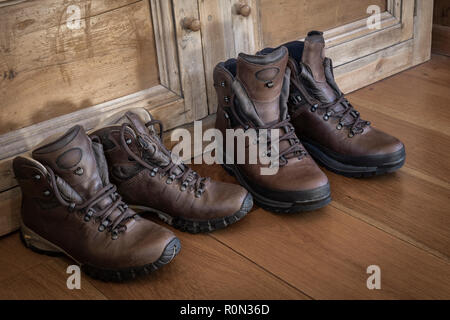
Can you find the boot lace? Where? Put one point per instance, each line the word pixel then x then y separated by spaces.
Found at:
pixel 294 150
pixel 348 117
pixel 189 179
pixel 115 225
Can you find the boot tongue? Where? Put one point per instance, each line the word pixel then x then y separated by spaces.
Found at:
pixel 72 158
pixel 154 150
pixel 313 57
pixel 261 77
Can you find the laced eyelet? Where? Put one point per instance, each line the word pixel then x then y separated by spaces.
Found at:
pixel 37 177
pixel 114 235
pixel 103 226
pixel 79 171
pixel 339 126
pixel 184 186
pixel 314 108
pixel 269 84
pixel 225 114
pixel 368 123
pixel 226 99
pixel 170 179
pixel 47 193
pixel 154 172
pixel 88 215
pixel 128 141
pixel 351 134
pixel 198 193
pixel 71 207
pixel 222 84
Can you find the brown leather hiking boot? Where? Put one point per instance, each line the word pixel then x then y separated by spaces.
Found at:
pixel 252 93
pixel 70 207
pixel 148 179
pixel 330 128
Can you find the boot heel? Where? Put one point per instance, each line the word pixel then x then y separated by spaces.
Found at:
pixel 38 244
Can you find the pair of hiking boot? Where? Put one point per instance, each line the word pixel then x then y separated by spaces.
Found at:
pixel 291 89
pixel 70 206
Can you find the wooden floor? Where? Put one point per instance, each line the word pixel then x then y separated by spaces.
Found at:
pixel 400 222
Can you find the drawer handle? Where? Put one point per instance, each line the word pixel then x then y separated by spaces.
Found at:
pixel 191 24
pixel 244 10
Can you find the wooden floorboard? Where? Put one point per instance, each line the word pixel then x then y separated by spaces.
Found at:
pixel 204 269
pixel 325 253
pixel 420 96
pixel 399 222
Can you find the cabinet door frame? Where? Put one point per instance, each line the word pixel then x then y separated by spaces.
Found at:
pixel 180 97
pixel 404 40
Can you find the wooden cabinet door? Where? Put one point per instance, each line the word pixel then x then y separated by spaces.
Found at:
pixel 360 55
pixel 75 62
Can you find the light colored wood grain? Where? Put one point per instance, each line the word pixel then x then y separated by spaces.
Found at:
pixel 48 70
pixel 217 41
pixel 10 203
pixel 191 61
pixel 205 269
pixel 166 44
pixel 360 47
pixel 19 141
pixel 284 21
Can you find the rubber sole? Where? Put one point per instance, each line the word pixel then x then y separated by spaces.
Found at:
pixel 195 227
pixel 40 245
pixel 348 170
pixel 278 206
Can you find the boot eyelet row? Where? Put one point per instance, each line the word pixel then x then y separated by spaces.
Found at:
pixel 154 172
pixel 198 193
pixel 103 226
pixel 339 126
pixel 327 116
pixel 226 99
pixel 184 186
pixel 314 108
pixel 170 179
pixel 114 235
pixel 88 215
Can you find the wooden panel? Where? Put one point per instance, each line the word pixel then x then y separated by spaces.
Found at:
pixel 204 269
pixel 325 253
pixel 283 21
pixel 49 70
pixel 190 55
